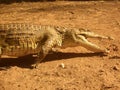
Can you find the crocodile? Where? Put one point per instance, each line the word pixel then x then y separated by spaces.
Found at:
pixel 20 39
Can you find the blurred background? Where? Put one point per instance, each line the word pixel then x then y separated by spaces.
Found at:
pixel 13 1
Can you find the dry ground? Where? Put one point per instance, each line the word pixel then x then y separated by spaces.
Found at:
pixel 83 69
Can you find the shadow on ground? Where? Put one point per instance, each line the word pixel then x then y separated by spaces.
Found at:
pixel 27 61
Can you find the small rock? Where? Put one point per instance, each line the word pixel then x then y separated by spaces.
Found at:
pixel 62 65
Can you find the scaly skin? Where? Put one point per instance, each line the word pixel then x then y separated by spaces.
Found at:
pixel 17 39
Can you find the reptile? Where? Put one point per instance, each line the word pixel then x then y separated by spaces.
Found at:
pixel 20 39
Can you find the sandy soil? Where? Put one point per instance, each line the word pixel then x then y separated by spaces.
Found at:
pixel 72 68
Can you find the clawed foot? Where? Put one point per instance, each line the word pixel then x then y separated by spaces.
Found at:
pixel 34 66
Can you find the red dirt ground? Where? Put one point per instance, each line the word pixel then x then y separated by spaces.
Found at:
pixel 83 70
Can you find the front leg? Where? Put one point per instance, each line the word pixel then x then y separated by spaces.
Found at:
pixel 45 49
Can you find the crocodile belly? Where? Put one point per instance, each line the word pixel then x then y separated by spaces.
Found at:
pixel 19 46
pixel 17 51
